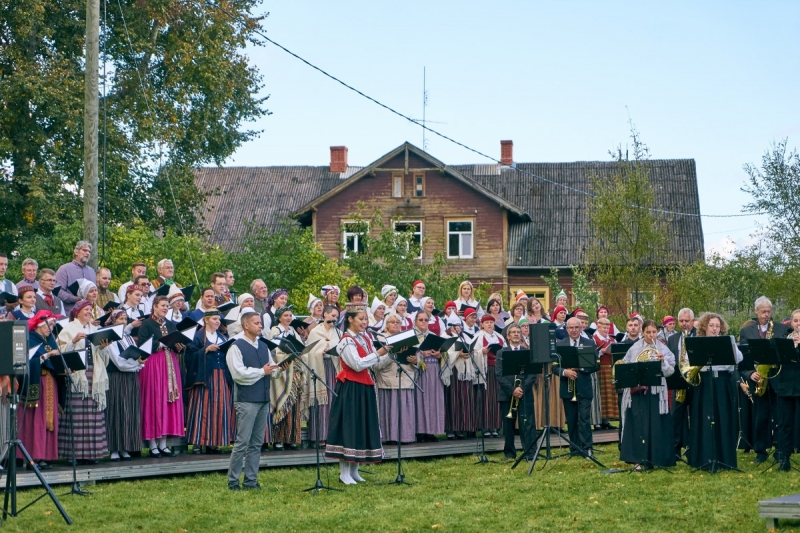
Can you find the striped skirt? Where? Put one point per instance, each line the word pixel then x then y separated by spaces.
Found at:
pixel 324 411
pixel 460 413
pixel 489 415
pixel 211 419
pixel 609 407
pixel 557 418
pixel 430 403
pixel 89 427
pixel 123 412
pixel 389 412
pixel 287 431
pixel 41 443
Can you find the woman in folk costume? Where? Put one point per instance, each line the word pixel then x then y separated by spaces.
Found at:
pixel 177 304
pixel 470 327
pixel 415 298
pixel 38 417
pixel 460 415
pixel 289 405
pixel 87 396
pixel 430 402
pixel 234 325
pixel 211 418
pixel 207 300
pixel 647 434
pixel 377 314
pixel 326 366
pixel 449 309
pixel 466 296
pixel 27 303
pixel 608 395
pixel 400 309
pixel 503 315
pixel 560 320
pixel 160 383
pixel 536 312
pixel 394 392
pixel 603 312
pixel 562 300
pixel 315 308
pixel 277 300
pixel 354 435
pixel 330 296
pixel 87 290
pixel 389 295
pixel 123 413
pixel 525 329
pixel 489 410
pixel 435 324
pixel 556 411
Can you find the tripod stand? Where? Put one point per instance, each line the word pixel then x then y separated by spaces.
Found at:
pixel 483 459
pixel 400 479
pixel 289 348
pixel 11 482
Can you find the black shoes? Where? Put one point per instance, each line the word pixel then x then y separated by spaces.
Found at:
pixel 760 458
pixel 166 452
pixel 257 486
pixel 234 487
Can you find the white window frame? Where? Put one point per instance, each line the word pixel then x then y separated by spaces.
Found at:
pixel 471 233
pixel 355 234
pixel 397 192
pixel 418 232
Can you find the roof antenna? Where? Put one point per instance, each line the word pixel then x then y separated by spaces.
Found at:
pixel 423 122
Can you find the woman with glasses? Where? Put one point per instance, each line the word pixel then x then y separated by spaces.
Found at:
pixel 326 365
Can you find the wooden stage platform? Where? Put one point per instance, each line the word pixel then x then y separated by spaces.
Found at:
pixel 185 463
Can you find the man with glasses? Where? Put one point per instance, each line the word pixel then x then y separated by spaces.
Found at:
pixel 76 269
pixel 45 299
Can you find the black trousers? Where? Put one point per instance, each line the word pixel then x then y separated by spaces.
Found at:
pixel 527 424
pixel 787 409
pixel 680 421
pixel 578 415
pixel 764 420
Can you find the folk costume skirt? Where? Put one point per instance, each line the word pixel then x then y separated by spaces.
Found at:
pixel 430 402
pixel 160 416
pixel 460 414
pixel 390 414
pixel 211 415
pixel 89 426
pixel 354 433
pixel 123 412
pixel 40 441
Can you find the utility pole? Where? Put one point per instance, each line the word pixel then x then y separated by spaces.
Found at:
pixel 90 127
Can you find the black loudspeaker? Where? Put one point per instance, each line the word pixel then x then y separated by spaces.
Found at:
pixel 542 342
pixel 13 347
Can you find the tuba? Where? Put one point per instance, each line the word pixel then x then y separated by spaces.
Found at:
pixel 690 373
pixel 767 372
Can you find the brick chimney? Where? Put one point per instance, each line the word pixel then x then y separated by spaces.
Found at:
pixel 506 153
pixel 338 158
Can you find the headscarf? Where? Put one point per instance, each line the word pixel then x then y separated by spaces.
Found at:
pixel 84 286
pixel 274 295
pixel 386 290
pixel 77 309
pixel 312 301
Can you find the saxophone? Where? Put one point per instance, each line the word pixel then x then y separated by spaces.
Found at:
pixel 690 373
pixel 764 370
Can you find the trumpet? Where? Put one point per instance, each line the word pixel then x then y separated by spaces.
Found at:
pixel 573 389
pixel 514 400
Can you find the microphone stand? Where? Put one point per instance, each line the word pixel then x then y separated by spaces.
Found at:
pixel 318 484
pixel 483 459
pixel 400 479
pixel 75 489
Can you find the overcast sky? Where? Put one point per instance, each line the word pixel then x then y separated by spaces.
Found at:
pixel 714 81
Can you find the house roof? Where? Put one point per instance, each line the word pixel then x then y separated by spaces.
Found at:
pixel 559 230
pixel 549 225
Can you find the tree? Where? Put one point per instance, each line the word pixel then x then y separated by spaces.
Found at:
pixel 775 188
pixel 630 244
pixel 178 91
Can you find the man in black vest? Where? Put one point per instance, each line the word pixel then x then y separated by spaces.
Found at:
pixel 578 413
pixel 680 410
pixel 251 366
pixel 764 407
pixel 523 392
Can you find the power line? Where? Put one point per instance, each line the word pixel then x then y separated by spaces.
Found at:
pixel 446 137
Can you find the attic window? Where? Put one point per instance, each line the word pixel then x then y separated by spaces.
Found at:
pixel 397 186
pixel 419 184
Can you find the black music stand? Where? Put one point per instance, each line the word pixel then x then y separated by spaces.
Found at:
pixel 583 358
pixel 711 351
pixel 774 351
pixel 646 374
pixel 401 476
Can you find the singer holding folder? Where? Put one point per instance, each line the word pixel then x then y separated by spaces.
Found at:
pixel 38 419
pixel 87 396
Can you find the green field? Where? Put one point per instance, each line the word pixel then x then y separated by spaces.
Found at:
pixel 447 495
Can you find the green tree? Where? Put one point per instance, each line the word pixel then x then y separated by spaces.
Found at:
pixel 178 91
pixel 775 188
pixel 630 244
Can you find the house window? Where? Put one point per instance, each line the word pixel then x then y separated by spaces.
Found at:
pixel 643 302
pixel 397 186
pixel 419 184
pixel 540 292
pixel 415 229
pixel 353 237
pixel 459 239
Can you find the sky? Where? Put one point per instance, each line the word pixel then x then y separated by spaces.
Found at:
pixel 716 82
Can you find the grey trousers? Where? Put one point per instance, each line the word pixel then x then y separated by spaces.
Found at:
pixel 251 423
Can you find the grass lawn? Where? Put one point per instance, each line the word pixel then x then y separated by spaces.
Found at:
pixel 448 494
